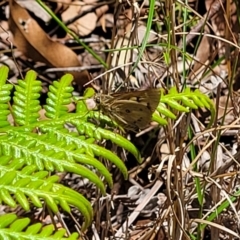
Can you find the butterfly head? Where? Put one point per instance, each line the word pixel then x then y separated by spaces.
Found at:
pixel 98 99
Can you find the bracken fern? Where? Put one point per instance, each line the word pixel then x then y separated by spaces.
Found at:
pixel 32 150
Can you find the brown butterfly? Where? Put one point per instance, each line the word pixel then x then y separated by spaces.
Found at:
pixel 131 110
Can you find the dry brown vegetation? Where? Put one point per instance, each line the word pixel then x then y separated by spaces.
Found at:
pixel 187 185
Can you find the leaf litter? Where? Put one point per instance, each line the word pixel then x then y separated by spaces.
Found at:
pixel 144 204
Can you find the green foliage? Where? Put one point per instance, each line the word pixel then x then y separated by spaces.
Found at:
pixel 5 90
pixel 32 149
pixel 13 228
pixel 185 101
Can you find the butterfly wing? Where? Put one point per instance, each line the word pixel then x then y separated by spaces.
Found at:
pixel 132 115
pixel 136 112
pixel 132 110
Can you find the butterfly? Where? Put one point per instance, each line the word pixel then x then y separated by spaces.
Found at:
pixel 131 110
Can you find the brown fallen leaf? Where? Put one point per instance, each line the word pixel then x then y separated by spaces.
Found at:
pixel 62 6
pixel 100 12
pixel 34 7
pixel 83 25
pixel 34 43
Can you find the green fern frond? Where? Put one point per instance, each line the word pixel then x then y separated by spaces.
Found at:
pixel 35 154
pixel 100 134
pixel 88 147
pixel 182 102
pixel 18 186
pixel 26 104
pixel 13 228
pixel 54 149
pixel 65 142
pixel 59 95
pixel 5 90
pixel 67 149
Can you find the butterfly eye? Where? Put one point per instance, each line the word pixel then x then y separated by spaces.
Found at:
pixel 97 99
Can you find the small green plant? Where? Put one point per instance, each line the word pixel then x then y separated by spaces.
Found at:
pixel 32 151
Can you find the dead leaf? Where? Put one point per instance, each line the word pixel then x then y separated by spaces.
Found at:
pixel 89 2
pixel 62 6
pixel 33 42
pixel 85 24
pixel 34 7
pixel 72 11
pixel 101 10
pixel 101 16
pixel 102 22
pixel 4 34
pixel 108 21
